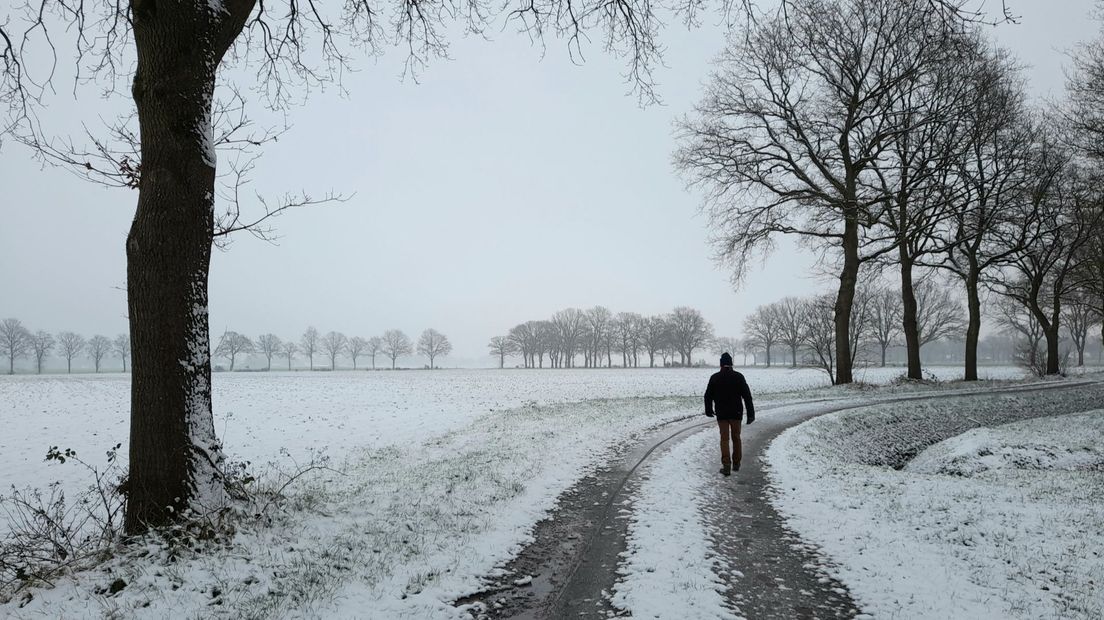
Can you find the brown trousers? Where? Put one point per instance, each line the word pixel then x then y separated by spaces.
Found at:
pixel 730 435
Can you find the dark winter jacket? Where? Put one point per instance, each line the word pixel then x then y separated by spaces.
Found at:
pixel 727 395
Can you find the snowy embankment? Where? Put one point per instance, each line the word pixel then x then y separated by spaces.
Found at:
pixel 1000 522
pixel 668 569
pixel 442 478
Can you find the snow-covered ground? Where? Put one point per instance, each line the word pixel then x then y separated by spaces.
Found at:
pixel 1004 521
pixel 440 478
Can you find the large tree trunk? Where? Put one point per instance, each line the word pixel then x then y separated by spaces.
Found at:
pixel 845 299
pixel 973 325
pixel 908 313
pixel 175 457
pixel 793 356
pixel 1053 340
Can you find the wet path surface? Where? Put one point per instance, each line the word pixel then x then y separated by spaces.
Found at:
pixel 570 569
pixel 772 573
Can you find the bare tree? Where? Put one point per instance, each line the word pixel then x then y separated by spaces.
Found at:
pixel 288 349
pixel 395 345
pixel 938 313
pixel 41 343
pixel 232 344
pixel 762 330
pixel 334 344
pixel 788 136
pixel 309 344
pixel 789 319
pixel 820 329
pixel 930 137
pixel 502 346
pixel 690 331
pixel 270 346
pixel 15 341
pixel 1064 216
pixel 885 319
pixel 626 331
pixel 984 227
pixel 1016 318
pixel 656 333
pixel 356 347
pixel 570 326
pixel 1078 316
pixel 98 347
pixel 71 345
pixel 819 336
pixel 598 319
pixel 725 344
pixel 121 347
pixel 433 344
pixel 375 347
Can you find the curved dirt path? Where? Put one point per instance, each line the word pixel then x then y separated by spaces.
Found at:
pixel 571 567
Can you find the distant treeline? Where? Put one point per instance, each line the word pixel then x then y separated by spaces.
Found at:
pixel 18 342
pixel 596 335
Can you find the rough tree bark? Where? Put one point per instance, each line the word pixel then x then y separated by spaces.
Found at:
pixel 175 458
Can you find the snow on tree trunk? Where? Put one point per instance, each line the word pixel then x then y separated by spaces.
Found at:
pixel 175 458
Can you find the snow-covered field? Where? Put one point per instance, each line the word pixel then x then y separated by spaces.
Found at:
pixel 258 415
pixel 440 478
pixel 1005 521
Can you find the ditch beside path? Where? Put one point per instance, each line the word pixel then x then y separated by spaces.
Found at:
pixel 570 569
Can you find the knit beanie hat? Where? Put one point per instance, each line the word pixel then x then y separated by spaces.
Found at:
pixel 726 359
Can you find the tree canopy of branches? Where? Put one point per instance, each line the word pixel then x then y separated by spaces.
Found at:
pixel 232 344
pixel 15 341
pixel 309 344
pixel 98 347
pixel 334 344
pixel 41 344
pixel 71 344
pixel 395 345
pixel 268 345
pixel 433 344
pixel 357 347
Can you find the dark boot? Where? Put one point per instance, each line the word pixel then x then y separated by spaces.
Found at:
pixel 726 469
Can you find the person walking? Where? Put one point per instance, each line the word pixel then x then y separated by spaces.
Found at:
pixel 726 397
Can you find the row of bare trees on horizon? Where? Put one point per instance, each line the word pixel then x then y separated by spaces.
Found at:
pixel 17 342
pixel 393 344
pixel 597 333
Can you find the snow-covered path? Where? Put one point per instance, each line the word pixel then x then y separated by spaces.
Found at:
pixel 597 556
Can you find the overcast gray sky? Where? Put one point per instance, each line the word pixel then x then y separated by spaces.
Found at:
pixel 502 186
